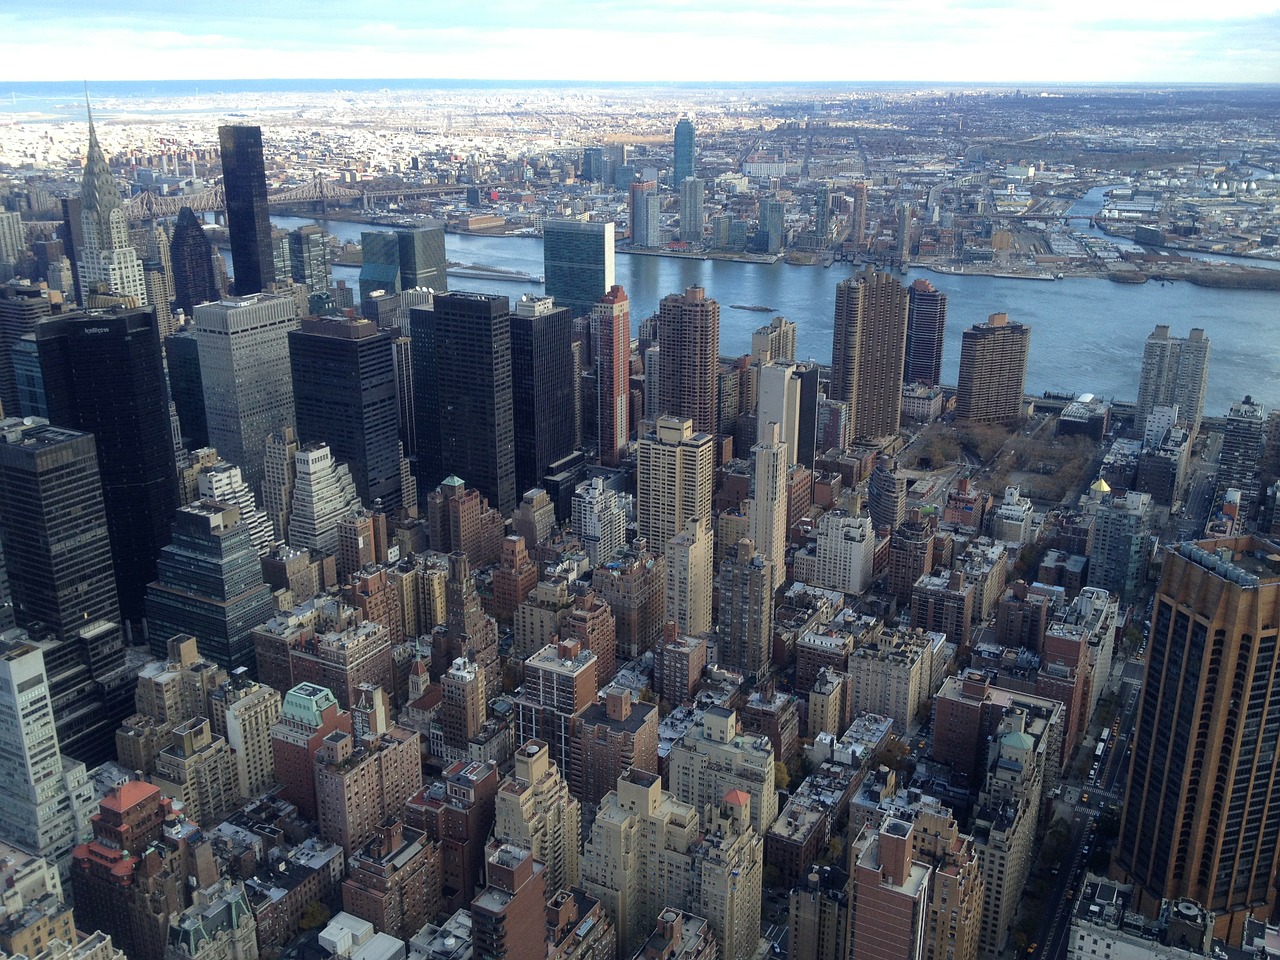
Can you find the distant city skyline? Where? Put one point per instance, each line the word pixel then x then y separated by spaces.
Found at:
pixel 976 41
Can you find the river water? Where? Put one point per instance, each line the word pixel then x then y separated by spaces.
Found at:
pixel 1086 335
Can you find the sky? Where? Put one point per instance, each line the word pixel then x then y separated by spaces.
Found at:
pixel 963 41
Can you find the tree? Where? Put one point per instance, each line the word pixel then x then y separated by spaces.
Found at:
pixel 314 916
pixel 781 779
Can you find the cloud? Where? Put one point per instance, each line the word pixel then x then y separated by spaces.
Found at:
pixel 819 40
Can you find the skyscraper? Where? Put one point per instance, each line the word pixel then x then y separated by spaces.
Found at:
pixel 58 558
pixel 191 257
pixel 578 260
pixel 767 508
pixel 210 586
pixel 746 610
pixel 403 260
pixel 690 556
pixel 645 209
pixel 675 473
pixel 344 394
pixel 993 371
pixel 1198 819
pixel 111 383
pixel 867 348
pixel 244 368
pixel 108 261
pixel 926 324
pixel 541 387
pixel 323 494
pixel 611 332
pixel 684 151
pixel 462 391
pixel 186 388
pixel 48 800
pixel 244 180
pixel 692 196
pixel 1174 370
pixel 1240 462
pixel 308 258
pixel 21 308
pixel 689 342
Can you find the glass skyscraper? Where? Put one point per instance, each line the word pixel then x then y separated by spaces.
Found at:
pixel 578 260
pixel 683 151
pixel 244 180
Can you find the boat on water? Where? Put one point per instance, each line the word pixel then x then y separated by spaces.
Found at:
pixel 753 307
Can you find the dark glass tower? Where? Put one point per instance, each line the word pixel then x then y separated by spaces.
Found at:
pixel 191 258
pixel 210 586
pixel 403 260
pixel 541 387
pixel 244 179
pixel 113 386
pixel 186 388
pixel 578 260
pixel 462 394
pixel 71 233
pixel 926 324
pixel 58 560
pixel 683 151
pixel 344 394
pixel 21 308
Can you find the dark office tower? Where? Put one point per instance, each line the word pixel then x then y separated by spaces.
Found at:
pixel 868 344
pixel 592 164
pixel 1201 817
pixel 993 371
pixel 422 259
pixel 7 622
pixel 611 333
pixel 71 233
pixel 578 260
pixel 402 358
pixel 115 382
pixel 689 342
pixel 403 260
pixel 191 256
pixel 858 217
pixel 182 357
pixel 39 356
pixel 244 180
pixel 58 558
pixel 541 387
pixel 344 394
pixel 926 324
pixel 462 394
pixel 308 258
pixel 683 151
pixel 209 586
pixel 21 308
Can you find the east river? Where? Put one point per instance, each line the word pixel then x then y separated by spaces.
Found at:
pixel 1086 334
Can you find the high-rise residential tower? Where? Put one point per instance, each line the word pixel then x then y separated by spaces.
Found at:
pixel 462 392
pixel 542 400
pixel 684 151
pixel 689 341
pixel 675 474
pixel 244 180
pixel 645 210
pixel 692 197
pixel 767 508
pixel 867 349
pixel 993 371
pixel 244 367
pixel 926 325
pixel 578 260
pixel 344 394
pixel 611 333
pixel 1199 819
pixel 308 258
pixel 191 259
pixel 108 261
pixel 58 559
pixel 1174 370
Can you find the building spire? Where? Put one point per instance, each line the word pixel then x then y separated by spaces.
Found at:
pixel 98 190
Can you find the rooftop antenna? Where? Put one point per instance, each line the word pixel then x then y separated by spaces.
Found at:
pixel 88 107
